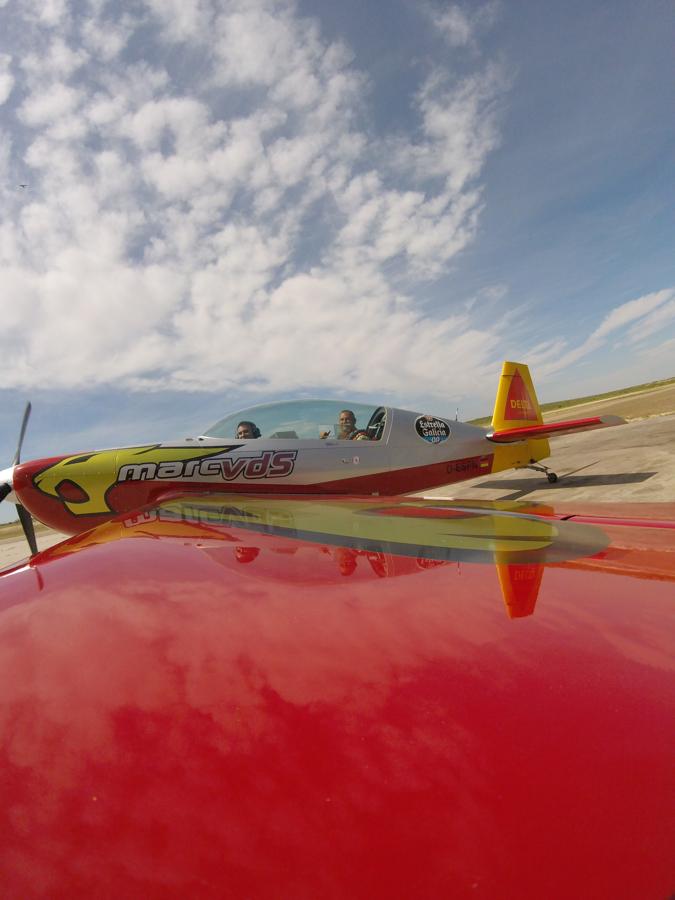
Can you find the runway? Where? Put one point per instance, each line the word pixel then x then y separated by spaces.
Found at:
pixel 632 463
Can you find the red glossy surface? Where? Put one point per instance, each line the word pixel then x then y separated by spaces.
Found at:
pixel 548 429
pixel 182 716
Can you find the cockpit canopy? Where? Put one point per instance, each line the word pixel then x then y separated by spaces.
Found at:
pixel 305 420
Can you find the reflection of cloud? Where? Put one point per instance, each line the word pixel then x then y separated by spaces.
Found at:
pixel 207 716
pixel 158 663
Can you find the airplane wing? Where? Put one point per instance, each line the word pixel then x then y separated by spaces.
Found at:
pixel 553 429
pixel 233 696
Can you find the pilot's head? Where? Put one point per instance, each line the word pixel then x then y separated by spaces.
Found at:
pixel 346 423
pixel 246 554
pixel 247 431
pixel 346 560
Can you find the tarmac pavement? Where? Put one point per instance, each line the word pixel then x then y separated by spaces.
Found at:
pixel 632 463
pixel 14 549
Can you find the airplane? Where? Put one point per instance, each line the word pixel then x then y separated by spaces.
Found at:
pixel 235 681
pixel 296 447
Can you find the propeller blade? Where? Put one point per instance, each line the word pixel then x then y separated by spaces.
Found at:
pixel 26 416
pixel 6 488
pixel 28 530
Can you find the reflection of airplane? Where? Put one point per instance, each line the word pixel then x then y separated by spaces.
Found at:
pixel 320 541
pixel 299 451
pixel 255 696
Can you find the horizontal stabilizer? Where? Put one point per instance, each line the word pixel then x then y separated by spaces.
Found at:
pixel 552 429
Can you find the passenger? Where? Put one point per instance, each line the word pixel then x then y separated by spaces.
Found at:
pixel 246 431
pixel 345 558
pixel 347 430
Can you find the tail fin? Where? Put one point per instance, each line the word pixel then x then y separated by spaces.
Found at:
pixel 516 404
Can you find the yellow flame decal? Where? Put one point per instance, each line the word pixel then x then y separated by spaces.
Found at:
pixel 95 473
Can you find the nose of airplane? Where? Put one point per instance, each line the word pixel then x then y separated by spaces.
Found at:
pixel 64 492
pixel 43 474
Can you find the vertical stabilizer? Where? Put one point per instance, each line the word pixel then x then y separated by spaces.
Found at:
pixel 516 404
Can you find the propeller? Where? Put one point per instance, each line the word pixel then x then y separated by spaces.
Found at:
pixel 6 488
pixel 22 433
pixel 27 524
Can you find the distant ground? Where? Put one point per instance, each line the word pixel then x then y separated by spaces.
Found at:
pixel 658 401
pixel 13 546
pixel 638 402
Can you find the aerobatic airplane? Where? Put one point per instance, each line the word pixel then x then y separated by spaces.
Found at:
pixel 303 447
pixel 253 672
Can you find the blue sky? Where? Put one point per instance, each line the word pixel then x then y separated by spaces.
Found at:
pixel 231 202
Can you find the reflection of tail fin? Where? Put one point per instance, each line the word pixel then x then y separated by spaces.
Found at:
pixel 520 587
pixel 516 404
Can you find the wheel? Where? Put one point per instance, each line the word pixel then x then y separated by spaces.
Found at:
pixel 552 477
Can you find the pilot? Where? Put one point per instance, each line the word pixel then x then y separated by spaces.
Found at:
pixel 347 430
pixel 246 554
pixel 246 431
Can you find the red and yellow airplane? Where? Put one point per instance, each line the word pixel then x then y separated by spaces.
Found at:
pixel 300 449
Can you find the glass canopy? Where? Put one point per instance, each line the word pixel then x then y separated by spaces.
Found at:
pixel 305 420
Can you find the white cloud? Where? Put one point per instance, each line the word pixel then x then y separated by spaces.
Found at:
pixel 106 38
pixel 49 13
pixel 661 317
pixel 454 25
pixel 459 124
pixel 6 77
pixel 182 21
pixel 57 60
pixel 460 26
pixel 49 105
pixel 629 312
pixel 183 120
pixel 655 309
pixel 220 212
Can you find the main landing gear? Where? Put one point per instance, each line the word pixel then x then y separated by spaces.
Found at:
pixel 551 476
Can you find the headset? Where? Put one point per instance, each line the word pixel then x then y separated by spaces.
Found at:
pixel 252 425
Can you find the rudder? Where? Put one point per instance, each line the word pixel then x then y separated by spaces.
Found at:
pixel 516 404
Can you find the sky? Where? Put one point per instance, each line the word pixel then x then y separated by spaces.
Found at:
pixel 212 204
